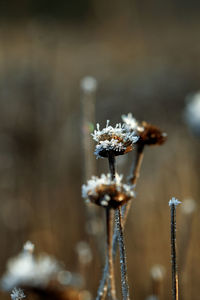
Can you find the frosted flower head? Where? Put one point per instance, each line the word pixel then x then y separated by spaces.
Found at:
pixel 106 192
pixel 174 201
pixel 192 113
pixel 17 294
pixel 130 122
pixel 27 270
pixel 117 140
pixel 148 134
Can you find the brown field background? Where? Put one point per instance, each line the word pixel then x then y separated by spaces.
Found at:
pixel 146 59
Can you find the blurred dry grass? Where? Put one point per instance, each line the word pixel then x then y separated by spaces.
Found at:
pixel 146 69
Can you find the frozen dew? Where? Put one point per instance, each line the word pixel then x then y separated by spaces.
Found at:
pixel 174 201
pixel 130 122
pixel 17 294
pixel 105 191
pixel 117 139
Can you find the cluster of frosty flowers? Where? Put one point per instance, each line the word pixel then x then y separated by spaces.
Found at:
pixel 27 270
pixel 192 113
pixel 17 294
pixel 117 139
pixel 107 192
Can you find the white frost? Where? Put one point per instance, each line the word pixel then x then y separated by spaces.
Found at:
pixel 174 201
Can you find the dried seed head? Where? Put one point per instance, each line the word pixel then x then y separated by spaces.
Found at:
pixel 106 192
pixel 29 270
pixel 148 134
pixel 117 140
pixel 151 135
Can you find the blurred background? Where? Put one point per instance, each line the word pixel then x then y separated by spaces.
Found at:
pixel 145 56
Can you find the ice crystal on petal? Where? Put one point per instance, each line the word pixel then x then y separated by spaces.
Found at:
pixel 117 139
pixel 130 122
pixel 107 192
pixel 17 294
pixel 174 201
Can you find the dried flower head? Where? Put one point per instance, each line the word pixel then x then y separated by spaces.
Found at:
pixel 117 140
pixel 152 135
pixel 27 270
pixel 148 134
pixel 106 192
pixel 17 294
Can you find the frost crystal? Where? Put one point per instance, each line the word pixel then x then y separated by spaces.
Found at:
pixel 117 139
pixel 17 294
pixel 131 123
pixel 192 113
pixel 174 201
pixel 107 192
pixel 29 247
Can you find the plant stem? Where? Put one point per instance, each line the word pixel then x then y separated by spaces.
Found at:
pixel 111 160
pixel 109 225
pixel 173 253
pixel 102 290
pixel 135 171
pixel 123 263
